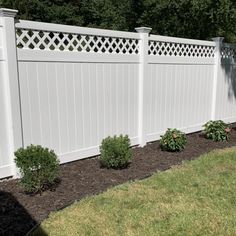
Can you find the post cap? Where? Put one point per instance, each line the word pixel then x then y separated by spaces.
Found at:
pixel 218 39
pixel 143 30
pixel 5 12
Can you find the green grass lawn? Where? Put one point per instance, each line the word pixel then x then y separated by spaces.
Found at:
pixel 196 198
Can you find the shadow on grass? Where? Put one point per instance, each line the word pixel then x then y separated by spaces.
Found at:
pixel 14 219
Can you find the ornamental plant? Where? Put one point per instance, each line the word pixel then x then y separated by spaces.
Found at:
pixel 39 167
pixel 173 140
pixel 115 152
pixel 217 130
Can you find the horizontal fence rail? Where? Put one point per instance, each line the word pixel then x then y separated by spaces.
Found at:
pixel 68 87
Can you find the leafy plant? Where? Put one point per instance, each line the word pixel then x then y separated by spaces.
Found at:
pixel 115 151
pixel 217 130
pixel 38 166
pixel 173 140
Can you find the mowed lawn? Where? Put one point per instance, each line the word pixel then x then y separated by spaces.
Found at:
pixel 196 198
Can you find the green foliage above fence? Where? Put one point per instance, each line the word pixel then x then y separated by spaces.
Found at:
pixel 200 19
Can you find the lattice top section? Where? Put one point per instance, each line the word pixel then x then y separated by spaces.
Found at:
pixel 228 52
pixel 43 40
pixel 180 49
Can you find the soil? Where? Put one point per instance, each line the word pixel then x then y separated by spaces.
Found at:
pixel 20 212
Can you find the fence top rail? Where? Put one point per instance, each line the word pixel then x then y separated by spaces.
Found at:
pixel 181 40
pixel 41 26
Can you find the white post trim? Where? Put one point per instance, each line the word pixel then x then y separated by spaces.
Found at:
pixel 143 63
pixel 218 41
pixel 10 82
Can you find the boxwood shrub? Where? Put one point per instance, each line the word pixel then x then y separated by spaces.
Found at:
pixel 115 152
pixel 39 167
pixel 217 130
pixel 173 140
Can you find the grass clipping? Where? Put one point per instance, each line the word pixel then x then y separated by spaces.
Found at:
pixel 196 198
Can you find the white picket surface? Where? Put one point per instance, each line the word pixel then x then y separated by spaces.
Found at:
pixel 178 96
pixel 71 107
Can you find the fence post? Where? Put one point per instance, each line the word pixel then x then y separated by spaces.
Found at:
pixel 143 63
pixel 218 41
pixel 10 85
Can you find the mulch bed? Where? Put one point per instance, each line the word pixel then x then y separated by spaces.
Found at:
pixel 20 212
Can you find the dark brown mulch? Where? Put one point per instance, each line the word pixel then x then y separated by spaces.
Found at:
pixel 20 212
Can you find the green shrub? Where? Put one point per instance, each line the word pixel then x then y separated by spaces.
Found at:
pixel 217 130
pixel 38 166
pixel 173 140
pixel 115 152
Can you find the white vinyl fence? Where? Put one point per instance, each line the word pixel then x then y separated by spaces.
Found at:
pixel 68 87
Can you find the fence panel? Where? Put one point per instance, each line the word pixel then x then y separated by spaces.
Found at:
pixel 71 105
pixel 178 84
pixel 226 84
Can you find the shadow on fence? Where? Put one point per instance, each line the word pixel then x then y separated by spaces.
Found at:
pixel 14 219
pixel 229 68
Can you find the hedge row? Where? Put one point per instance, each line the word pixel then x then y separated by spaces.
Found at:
pixel 39 167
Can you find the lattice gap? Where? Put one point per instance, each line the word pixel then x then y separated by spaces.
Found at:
pixel 180 49
pixel 228 53
pixel 43 40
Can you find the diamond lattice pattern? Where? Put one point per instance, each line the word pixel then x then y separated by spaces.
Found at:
pixel 228 52
pixel 180 49
pixel 43 40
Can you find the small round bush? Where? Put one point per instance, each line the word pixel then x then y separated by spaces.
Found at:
pixel 217 130
pixel 38 166
pixel 173 140
pixel 115 152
